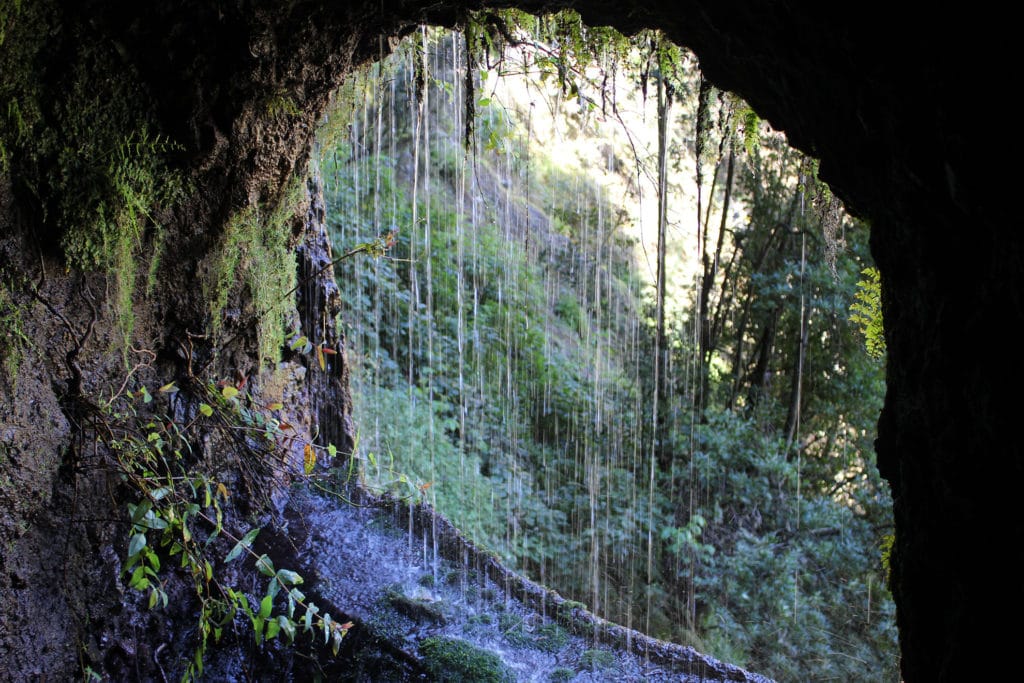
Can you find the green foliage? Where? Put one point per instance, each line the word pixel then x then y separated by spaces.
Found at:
pixel 888 541
pixel 453 660
pixel 82 144
pixel 9 9
pixel 502 361
pixel 549 637
pixel 815 575
pixel 179 523
pixel 254 262
pixel 866 312
pixel 561 675
pixel 751 123
pixel 14 341
pixel 597 660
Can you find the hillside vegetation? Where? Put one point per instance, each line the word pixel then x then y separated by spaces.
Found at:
pixel 658 408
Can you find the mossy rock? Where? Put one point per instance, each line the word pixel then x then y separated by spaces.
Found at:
pixel 513 628
pixel 418 610
pixel 561 675
pixel 551 637
pixel 597 660
pixel 450 660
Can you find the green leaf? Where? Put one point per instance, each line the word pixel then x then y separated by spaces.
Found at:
pixel 288 577
pixel 266 604
pixel 273 627
pixel 265 566
pixel 153 521
pixel 331 450
pixel 139 580
pixel 205 409
pixel 137 543
pixel 242 544
pixel 229 392
pixel 138 512
pixel 307 621
pixel 288 626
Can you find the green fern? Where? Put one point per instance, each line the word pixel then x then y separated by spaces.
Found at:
pixel 866 312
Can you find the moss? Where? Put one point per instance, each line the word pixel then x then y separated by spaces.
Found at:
pixel 78 136
pixel 513 629
pixel 281 106
pixel 567 615
pixel 416 609
pixel 13 340
pixel 254 261
pixel 478 624
pixel 551 637
pixel 561 675
pixel 453 660
pixel 597 660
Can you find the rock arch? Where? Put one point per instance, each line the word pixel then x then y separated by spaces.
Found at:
pixel 901 110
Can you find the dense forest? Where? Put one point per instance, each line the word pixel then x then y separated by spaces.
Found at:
pixel 610 324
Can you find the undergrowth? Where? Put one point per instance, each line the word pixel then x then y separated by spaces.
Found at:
pixel 182 520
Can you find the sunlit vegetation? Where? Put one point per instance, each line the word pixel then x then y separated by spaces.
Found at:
pixel 631 374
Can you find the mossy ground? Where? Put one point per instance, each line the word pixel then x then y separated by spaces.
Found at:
pixel 450 660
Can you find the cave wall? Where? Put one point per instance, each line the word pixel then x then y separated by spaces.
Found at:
pixel 900 110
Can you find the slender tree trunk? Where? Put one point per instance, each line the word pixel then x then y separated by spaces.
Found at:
pixel 756 376
pixel 663 450
pixel 708 336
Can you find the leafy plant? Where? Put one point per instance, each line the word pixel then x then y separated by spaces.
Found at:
pixel 866 312
pixel 181 514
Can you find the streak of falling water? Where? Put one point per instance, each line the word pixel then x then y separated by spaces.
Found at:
pixel 428 247
pixel 476 359
pixel 460 254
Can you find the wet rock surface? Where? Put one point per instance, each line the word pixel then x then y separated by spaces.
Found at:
pixel 410 580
